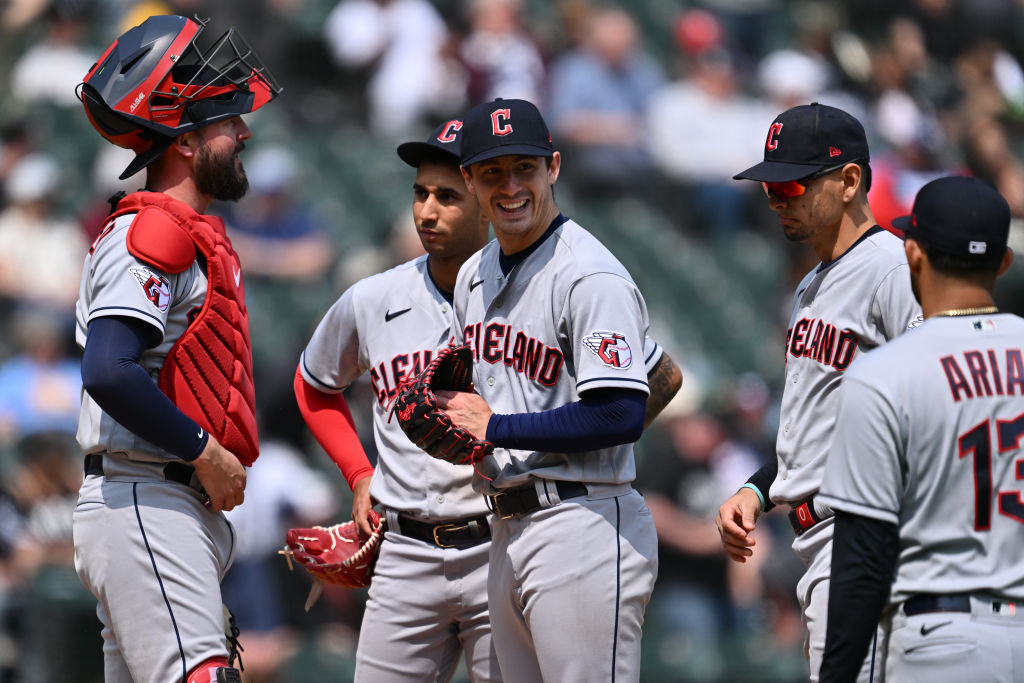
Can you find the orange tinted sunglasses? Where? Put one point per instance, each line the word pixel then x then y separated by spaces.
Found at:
pixel 795 188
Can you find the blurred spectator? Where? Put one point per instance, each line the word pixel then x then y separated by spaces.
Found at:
pixel 281 492
pixel 683 475
pixel 40 252
pixel 40 387
pixel 990 155
pixel 701 128
pixel 50 69
pixel 597 105
pixel 274 232
pixel 106 167
pixel 399 43
pixel 55 614
pixel 501 57
pixel 15 144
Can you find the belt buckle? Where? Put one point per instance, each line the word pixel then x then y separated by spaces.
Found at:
pixel 444 527
pixel 496 507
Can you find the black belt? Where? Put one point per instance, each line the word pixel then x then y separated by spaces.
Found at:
pixel 456 533
pixel 924 603
pixel 177 472
pixel 802 517
pixel 522 500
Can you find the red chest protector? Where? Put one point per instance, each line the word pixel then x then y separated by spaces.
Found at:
pixel 208 370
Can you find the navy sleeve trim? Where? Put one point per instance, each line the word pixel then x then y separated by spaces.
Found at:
pixel 641 382
pixel 113 377
pixel 601 419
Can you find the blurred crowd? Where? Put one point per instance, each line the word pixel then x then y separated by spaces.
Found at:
pixel 655 105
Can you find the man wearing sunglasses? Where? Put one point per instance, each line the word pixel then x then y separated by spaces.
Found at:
pixel 816 177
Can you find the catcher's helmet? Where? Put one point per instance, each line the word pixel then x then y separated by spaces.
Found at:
pixel 156 82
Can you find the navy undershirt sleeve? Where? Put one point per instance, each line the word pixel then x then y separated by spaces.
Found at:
pixel 114 379
pixel 763 480
pixel 864 557
pixel 600 419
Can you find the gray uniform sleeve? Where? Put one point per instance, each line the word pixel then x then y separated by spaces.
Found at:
pixel 122 285
pixel 863 473
pixel 332 359
pixel 607 323
pixel 894 303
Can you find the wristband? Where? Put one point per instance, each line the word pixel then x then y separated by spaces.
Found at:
pixel 753 488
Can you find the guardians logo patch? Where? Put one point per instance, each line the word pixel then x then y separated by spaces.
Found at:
pixel 156 287
pixel 611 348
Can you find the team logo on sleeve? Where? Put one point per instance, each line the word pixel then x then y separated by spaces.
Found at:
pixel 611 348
pixel 157 288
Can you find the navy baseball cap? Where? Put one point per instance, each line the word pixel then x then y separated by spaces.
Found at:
pixel 961 216
pixel 444 141
pixel 807 139
pixel 502 127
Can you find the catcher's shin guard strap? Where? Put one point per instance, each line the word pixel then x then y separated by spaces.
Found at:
pixel 214 670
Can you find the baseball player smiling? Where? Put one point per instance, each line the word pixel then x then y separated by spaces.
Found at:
pixel 556 325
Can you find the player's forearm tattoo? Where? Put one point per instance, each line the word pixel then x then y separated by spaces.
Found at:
pixel 664 381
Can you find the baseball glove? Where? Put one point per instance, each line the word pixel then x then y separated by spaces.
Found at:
pixel 337 554
pixel 428 426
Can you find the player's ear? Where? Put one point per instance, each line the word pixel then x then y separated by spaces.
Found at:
pixel 467 176
pixel 1004 265
pixel 186 143
pixel 852 179
pixel 554 167
pixel 915 255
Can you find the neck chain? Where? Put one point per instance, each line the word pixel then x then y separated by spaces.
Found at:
pixel 954 312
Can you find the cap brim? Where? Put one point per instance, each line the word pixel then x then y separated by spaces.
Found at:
pixel 778 171
pixel 508 150
pixel 902 223
pixel 413 153
pixel 143 159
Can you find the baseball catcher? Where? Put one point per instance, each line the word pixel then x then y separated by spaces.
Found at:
pixel 337 554
pixel 428 426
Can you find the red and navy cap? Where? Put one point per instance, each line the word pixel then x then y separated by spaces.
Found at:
pixel 807 139
pixel 444 142
pixel 959 215
pixel 504 127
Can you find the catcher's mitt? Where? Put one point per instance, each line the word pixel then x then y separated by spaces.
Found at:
pixel 337 554
pixel 428 426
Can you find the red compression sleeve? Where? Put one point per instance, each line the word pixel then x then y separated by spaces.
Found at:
pixel 328 417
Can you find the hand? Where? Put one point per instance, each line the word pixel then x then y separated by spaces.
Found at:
pixel 736 520
pixel 361 505
pixel 467 410
pixel 222 476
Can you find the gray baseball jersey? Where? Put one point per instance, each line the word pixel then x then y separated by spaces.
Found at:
pixel 930 438
pixel 115 283
pixel 166 615
pixel 566 319
pixel 390 325
pixel 840 311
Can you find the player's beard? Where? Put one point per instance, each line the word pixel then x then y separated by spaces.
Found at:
pixel 218 176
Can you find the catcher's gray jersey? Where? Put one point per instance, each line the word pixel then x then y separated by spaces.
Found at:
pixel 568 318
pixel 841 310
pixel 115 283
pixel 390 325
pixel 930 438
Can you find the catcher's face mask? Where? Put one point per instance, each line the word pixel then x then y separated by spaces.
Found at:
pixel 161 79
